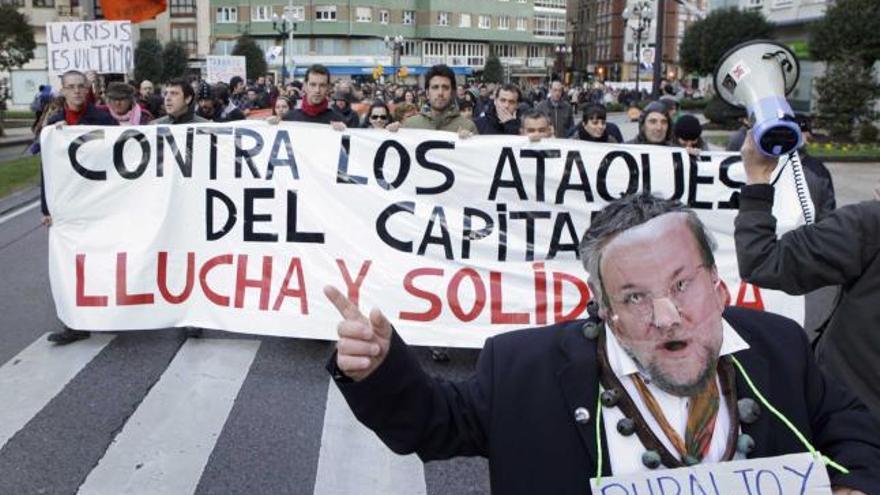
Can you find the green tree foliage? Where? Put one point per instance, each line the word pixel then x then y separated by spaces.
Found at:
pixel 255 59
pixel 706 40
pixel 493 72
pixel 148 61
pixel 16 38
pixel 846 95
pixel 849 28
pixel 175 60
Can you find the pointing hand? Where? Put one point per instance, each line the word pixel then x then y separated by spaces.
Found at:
pixel 363 342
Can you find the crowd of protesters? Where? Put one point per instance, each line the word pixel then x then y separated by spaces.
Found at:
pixel 439 104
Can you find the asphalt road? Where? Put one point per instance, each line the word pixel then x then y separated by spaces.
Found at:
pixel 269 425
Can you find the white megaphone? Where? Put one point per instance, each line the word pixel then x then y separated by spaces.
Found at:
pixel 757 75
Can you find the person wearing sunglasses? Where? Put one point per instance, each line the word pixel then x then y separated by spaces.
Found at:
pixel 378 117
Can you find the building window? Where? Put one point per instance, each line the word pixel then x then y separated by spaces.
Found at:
pixel 537 51
pixel 325 13
pixel 186 35
pixel 178 7
pixel 550 4
pixel 755 4
pixel 549 26
pixel 521 24
pixel 226 15
pixel 505 50
pixel 410 49
pixel 363 14
pixel 485 22
pixel 297 13
pixel 43 3
pixel 464 20
pixel 261 13
pixel 409 17
pixel 384 16
pixel 442 18
pixel 504 22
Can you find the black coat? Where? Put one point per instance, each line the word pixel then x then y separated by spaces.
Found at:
pixel 488 123
pixel 325 117
pixel 518 409
pixel 841 249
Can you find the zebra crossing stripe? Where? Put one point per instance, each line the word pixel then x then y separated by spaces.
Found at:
pixel 37 374
pixel 165 444
pixel 377 470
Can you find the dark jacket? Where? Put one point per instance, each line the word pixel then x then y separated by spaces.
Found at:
pixel 92 116
pixel 325 117
pixel 819 183
pixel 844 249
pixel 519 408
pixel 488 123
pixel 187 118
pixel 607 137
pixel 349 117
pixel 561 115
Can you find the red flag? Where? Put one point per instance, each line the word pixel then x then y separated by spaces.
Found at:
pixel 132 10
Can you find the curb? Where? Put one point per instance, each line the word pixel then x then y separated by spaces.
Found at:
pixel 19 199
pixel 16 140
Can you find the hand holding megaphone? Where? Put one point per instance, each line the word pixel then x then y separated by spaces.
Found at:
pixel 363 342
pixel 759 168
pixel 757 75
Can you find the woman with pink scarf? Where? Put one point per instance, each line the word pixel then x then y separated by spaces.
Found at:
pixel 121 103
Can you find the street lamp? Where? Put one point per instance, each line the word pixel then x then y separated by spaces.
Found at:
pixel 641 14
pixel 395 44
pixel 561 52
pixel 285 26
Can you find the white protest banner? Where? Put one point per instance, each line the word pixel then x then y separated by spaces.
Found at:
pixel 100 46
pixel 793 474
pixel 222 68
pixel 239 226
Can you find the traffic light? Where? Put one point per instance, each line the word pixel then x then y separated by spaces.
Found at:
pixel 403 72
pixel 378 71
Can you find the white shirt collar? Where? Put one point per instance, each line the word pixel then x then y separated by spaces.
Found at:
pixel 622 364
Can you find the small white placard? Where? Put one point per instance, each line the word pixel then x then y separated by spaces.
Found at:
pixel 222 68
pixel 793 474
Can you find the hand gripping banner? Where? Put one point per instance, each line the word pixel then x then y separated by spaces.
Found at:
pixel 239 227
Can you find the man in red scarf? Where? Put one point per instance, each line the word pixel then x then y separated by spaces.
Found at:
pixel 77 111
pixel 315 106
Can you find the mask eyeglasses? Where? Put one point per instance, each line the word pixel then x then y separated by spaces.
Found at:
pixel 640 304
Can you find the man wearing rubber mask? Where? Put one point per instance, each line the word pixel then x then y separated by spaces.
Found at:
pixel 662 375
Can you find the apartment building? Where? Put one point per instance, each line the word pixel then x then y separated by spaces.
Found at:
pixel 607 46
pixel 187 21
pixel 348 37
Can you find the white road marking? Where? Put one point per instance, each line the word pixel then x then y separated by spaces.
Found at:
pixel 20 211
pixel 165 444
pixel 38 373
pixel 354 460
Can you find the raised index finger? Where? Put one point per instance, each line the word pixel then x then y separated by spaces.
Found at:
pixel 345 307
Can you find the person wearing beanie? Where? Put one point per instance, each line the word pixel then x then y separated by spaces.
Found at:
pixel 654 126
pixel 122 106
pixel 206 106
pixel 687 131
pixel 342 105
